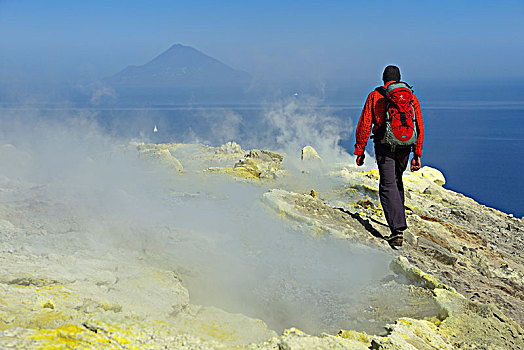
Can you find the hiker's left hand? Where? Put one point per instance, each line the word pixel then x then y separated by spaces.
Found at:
pixel 416 164
pixel 360 159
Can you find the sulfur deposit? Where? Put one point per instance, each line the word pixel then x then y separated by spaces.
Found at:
pixel 117 271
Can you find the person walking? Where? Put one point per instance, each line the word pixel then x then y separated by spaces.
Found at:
pixel 392 112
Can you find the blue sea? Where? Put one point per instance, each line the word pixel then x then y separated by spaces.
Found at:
pixel 479 149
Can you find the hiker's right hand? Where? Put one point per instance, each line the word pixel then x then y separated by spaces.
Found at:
pixel 360 159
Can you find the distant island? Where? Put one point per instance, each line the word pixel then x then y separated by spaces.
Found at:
pixel 179 74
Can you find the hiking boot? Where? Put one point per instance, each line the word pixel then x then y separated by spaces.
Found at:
pixel 395 240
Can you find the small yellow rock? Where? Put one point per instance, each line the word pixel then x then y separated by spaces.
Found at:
pixel 354 335
pixel 48 305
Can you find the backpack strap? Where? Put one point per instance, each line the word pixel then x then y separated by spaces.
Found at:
pixel 382 91
pixel 409 86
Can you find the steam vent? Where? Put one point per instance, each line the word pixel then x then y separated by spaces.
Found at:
pixel 187 246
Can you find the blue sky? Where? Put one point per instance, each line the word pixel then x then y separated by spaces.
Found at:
pixel 347 40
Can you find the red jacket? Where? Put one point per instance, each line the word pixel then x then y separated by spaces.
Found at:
pixel 373 116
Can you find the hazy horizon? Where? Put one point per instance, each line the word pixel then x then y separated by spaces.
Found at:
pixel 339 41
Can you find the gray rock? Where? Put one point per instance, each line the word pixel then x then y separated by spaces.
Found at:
pixel 266 164
pixel 437 252
pixel 433 175
pixel 309 154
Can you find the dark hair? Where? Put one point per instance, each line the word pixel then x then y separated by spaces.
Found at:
pixel 391 73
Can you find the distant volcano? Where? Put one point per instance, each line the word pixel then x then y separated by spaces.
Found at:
pixel 181 67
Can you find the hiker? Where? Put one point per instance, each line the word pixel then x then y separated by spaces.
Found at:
pixel 393 113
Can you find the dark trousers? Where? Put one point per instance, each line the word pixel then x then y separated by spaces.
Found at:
pixel 391 166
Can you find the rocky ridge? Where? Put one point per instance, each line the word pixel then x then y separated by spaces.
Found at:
pixel 463 257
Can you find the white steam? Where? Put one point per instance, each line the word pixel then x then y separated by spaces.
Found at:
pixel 301 121
pixel 230 250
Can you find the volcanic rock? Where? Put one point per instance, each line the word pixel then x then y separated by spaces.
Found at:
pixel 65 284
pixel 309 154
